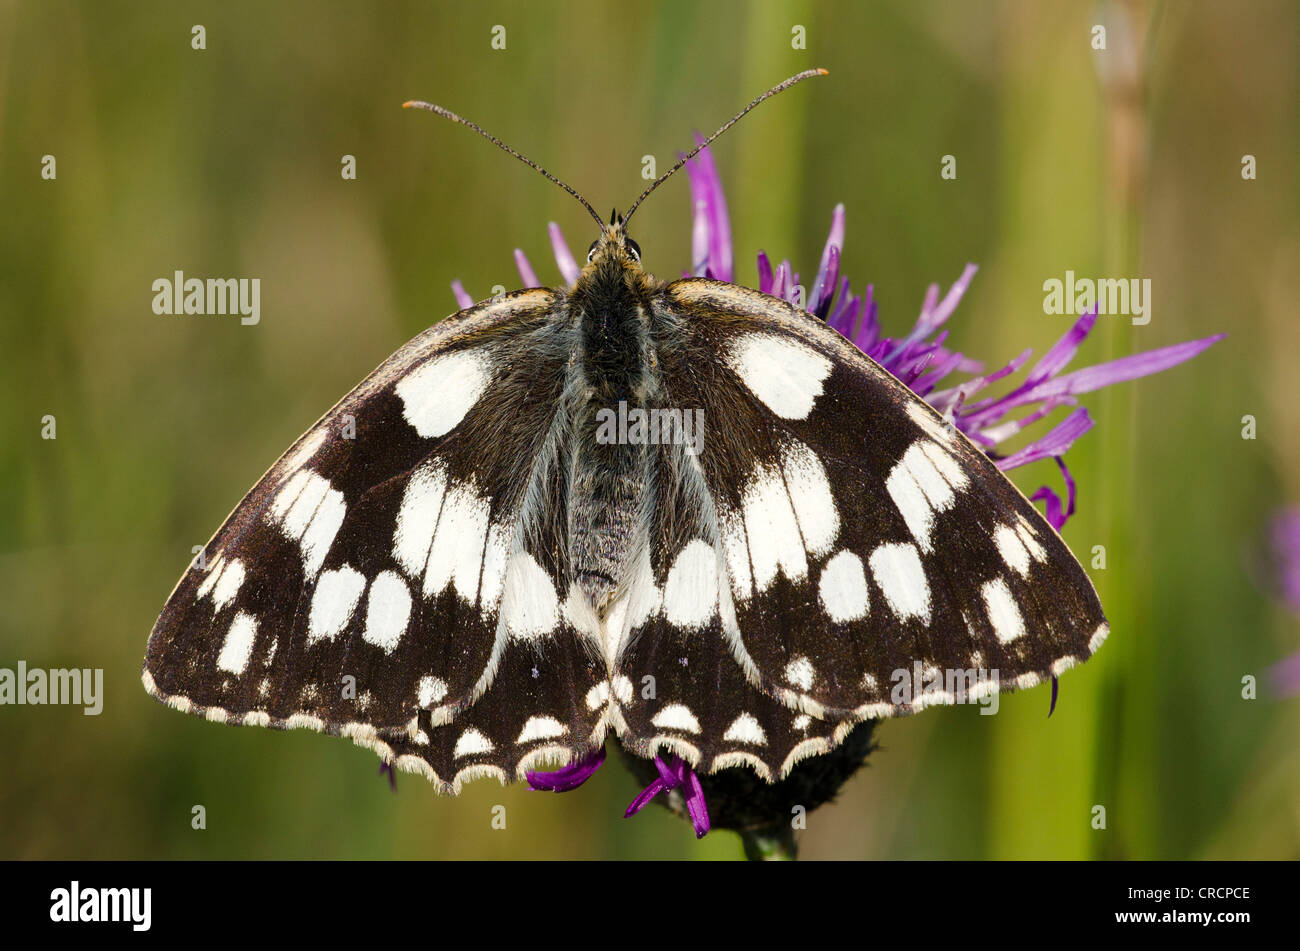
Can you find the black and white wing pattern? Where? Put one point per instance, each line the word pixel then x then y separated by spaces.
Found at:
pixel 831 536
pixel 395 576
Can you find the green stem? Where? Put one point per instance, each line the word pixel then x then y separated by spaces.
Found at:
pixel 773 844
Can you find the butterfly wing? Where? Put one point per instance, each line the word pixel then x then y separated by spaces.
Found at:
pixel 400 560
pixel 832 539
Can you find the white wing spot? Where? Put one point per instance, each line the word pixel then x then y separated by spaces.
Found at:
pixel 691 590
pixel 431 690
pixel 1026 533
pixel 800 673
pixel 773 531
pixel 787 376
pixel 303 454
pixel 1098 637
pixel 947 465
pixel 810 491
pixel 746 729
pixel 417 519
pixel 437 395
pixel 1003 613
pixel 215 567
pixel 1012 549
pixel 387 611
pixel 541 728
pixel 531 605
pixel 457 551
pixel 676 716
pixel 622 689
pixel 238 645
pixel 227 584
pixel 309 511
pixel 735 547
pixel 335 600
pixel 897 570
pixel 919 490
pixel 495 557
pixel 843 588
pixel 471 743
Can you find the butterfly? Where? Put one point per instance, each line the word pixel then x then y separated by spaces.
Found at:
pixel 497 551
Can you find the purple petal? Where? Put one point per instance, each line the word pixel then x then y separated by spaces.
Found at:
pixel 1121 370
pixel 843 309
pixel 1284 676
pixel 1286 555
pixel 643 798
pixel 526 273
pixel 674 772
pixel 781 281
pixel 568 777
pixel 1055 359
pixel 563 256
pixel 1052 502
pixel 696 807
pixel 700 238
pixel 764 273
pixel 706 189
pixel 1004 431
pixel 964 391
pixel 462 296
pixel 1053 444
pixel 944 309
pixel 828 271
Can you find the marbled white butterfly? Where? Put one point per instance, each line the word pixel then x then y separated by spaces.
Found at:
pixel 506 587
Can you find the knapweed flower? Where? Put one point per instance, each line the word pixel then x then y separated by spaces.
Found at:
pixel 736 798
pixel 1284 564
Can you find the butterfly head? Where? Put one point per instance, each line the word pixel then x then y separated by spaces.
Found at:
pixel 614 257
pixel 614 248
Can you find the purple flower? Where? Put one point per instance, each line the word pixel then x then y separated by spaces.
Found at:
pixel 1284 557
pixel 920 359
pixel 569 777
pixel 675 773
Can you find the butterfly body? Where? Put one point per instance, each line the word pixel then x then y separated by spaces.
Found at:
pixel 612 305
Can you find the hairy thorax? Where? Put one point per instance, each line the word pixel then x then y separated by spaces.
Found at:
pixel 613 365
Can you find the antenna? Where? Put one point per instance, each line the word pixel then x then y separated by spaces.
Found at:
pixel 448 114
pixel 780 87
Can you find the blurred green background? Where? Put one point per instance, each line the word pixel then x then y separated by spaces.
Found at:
pixel 226 162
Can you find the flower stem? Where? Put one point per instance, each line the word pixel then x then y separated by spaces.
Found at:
pixel 772 844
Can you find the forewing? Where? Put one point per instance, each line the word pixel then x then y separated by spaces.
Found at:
pixel 856 540
pixel 400 557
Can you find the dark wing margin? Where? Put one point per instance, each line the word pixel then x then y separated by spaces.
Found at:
pixel 867 559
pixel 389 570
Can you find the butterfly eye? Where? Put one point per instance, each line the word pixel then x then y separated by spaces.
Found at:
pixel 591 251
pixel 633 249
